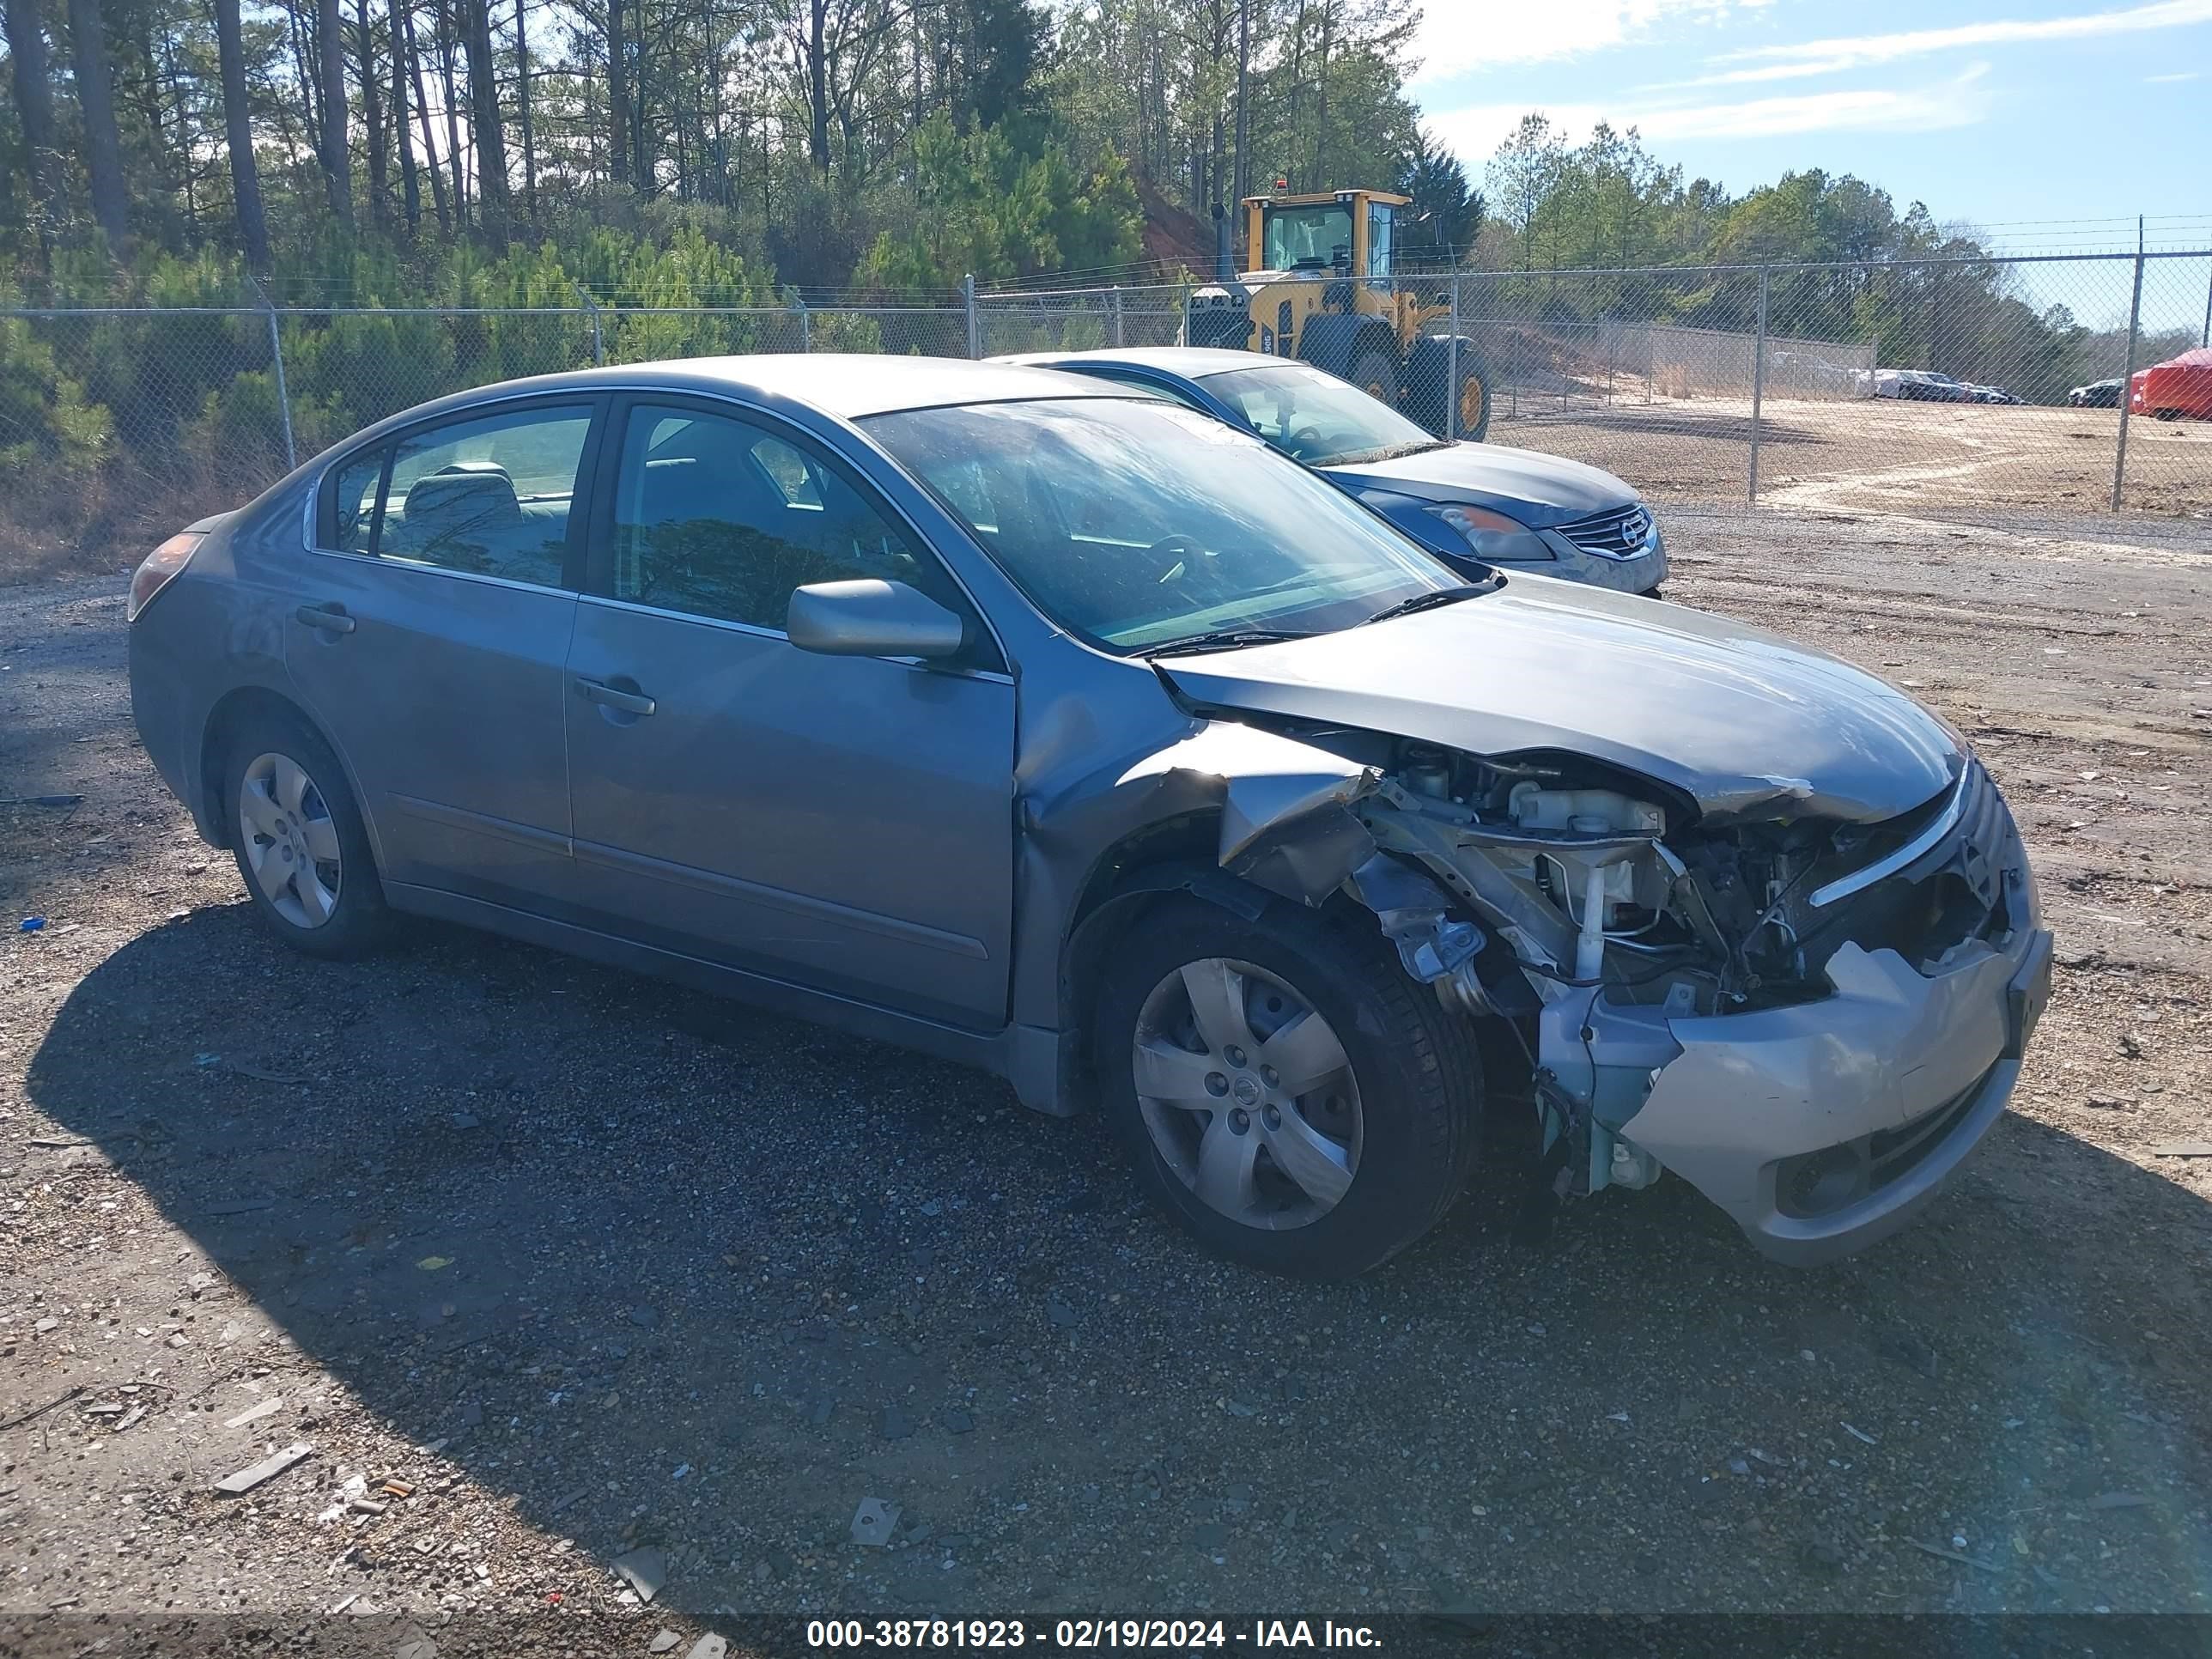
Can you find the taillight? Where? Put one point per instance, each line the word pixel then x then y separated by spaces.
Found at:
pixel 154 573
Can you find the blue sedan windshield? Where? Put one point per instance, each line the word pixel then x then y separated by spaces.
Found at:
pixel 1321 420
pixel 1139 524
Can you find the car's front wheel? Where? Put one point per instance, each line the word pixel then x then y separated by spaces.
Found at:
pixel 299 840
pixel 1285 1092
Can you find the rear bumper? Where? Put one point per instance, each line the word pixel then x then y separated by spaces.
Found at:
pixel 162 709
pixel 1823 1128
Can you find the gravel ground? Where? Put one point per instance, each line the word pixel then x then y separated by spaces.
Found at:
pixel 588 1265
pixel 1993 464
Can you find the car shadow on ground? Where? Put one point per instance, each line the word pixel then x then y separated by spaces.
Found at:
pixel 661 1270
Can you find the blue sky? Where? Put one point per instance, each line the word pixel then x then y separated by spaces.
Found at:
pixel 2050 123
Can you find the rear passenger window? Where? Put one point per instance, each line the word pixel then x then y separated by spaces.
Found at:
pixel 489 496
pixel 716 518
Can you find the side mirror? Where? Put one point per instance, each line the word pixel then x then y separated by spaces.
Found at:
pixel 870 619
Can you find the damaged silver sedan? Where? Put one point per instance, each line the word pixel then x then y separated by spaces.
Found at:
pixel 1069 734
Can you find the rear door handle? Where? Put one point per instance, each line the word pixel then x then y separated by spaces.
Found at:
pixel 331 619
pixel 613 696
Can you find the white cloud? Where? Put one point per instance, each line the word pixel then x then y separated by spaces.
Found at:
pixel 1459 37
pixel 1475 131
pixel 2168 80
pixel 1829 57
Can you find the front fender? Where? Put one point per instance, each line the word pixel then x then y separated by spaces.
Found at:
pixel 1272 812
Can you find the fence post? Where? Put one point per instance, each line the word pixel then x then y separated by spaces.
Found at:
pixel 2128 372
pixel 1116 303
pixel 806 322
pixel 1758 383
pixel 975 323
pixel 598 345
pixel 1451 365
pixel 276 363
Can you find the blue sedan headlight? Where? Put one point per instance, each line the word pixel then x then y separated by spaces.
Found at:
pixel 1494 538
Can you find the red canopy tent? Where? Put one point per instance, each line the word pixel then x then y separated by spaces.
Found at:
pixel 2179 385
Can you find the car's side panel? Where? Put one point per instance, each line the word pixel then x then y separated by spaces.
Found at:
pixel 445 697
pixel 841 821
pixel 443 689
pixel 213 633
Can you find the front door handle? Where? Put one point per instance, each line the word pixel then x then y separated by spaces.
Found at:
pixel 613 696
pixel 330 618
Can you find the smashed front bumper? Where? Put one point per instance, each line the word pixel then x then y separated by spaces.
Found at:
pixel 1822 1127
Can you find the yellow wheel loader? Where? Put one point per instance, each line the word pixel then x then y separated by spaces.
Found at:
pixel 1322 291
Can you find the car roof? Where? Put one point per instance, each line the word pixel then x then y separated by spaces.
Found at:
pixel 1191 362
pixel 850 384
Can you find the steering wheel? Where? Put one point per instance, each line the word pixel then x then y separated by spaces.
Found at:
pixel 1184 550
pixel 1305 435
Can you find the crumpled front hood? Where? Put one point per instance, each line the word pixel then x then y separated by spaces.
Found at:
pixel 1539 490
pixel 1745 722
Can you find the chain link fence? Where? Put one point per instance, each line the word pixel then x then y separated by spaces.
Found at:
pixel 2013 392
pixel 1994 390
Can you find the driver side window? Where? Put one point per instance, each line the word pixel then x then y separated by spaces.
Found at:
pixel 716 517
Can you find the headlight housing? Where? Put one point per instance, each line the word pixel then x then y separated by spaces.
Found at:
pixel 154 570
pixel 1494 538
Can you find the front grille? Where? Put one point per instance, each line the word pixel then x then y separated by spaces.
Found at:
pixel 1616 533
pixel 1926 882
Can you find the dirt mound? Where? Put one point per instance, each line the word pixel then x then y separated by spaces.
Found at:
pixel 1173 235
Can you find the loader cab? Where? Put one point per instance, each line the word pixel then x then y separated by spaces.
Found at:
pixel 1346 232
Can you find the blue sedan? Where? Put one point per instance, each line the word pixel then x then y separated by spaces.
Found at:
pixel 1469 503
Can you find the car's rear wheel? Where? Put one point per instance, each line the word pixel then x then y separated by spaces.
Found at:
pixel 1284 1091
pixel 299 840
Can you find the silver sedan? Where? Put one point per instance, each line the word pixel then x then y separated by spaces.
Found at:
pixel 1081 737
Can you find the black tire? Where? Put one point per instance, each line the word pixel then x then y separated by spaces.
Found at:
pixel 1657 591
pixel 1417 1081
pixel 1375 371
pixel 1429 372
pixel 358 922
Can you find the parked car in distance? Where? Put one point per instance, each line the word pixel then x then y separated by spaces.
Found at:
pixel 2178 389
pixel 1917 386
pixel 1803 371
pixel 1058 729
pixel 1923 385
pixel 1989 394
pixel 1473 505
pixel 2098 394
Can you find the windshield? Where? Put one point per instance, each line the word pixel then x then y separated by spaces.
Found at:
pixel 1315 416
pixel 1306 236
pixel 1140 523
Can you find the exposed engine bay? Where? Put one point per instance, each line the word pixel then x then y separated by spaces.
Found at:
pixel 1590 909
